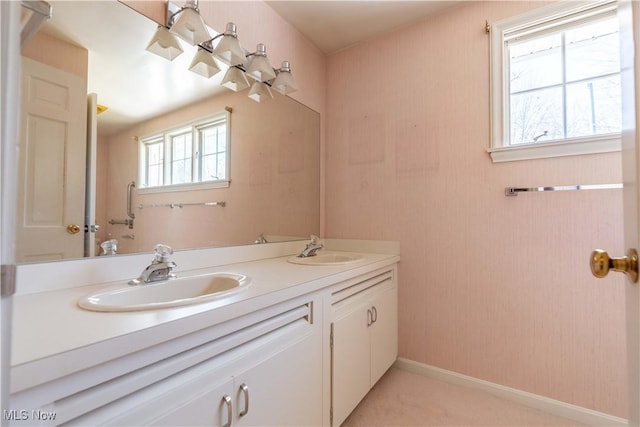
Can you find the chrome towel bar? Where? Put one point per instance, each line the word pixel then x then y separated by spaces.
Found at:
pixel 180 205
pixel 513 191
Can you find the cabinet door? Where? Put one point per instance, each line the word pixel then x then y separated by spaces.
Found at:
pixel 183 399
pixel 213 407
pixel 284 390
pixel 350 376
pixel 384 333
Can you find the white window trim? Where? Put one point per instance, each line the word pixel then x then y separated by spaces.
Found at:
pixel 499 94
pixel 222 183
pixel 185 187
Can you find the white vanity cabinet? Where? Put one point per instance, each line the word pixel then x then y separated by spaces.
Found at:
pixel 264 368
pixel 298 355
pixel 364 341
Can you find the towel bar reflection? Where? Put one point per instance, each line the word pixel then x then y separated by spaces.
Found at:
pixel 513 191
pixel 180 205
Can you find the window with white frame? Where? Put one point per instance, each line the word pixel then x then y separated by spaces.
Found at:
pixel 555 82
pixel 186 157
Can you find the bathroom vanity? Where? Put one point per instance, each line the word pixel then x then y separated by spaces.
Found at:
pixel 299 345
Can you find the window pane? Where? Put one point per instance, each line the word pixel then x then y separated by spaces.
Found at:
pixel 222 166
pixel 209 170
pixel 155 164
pixel 222 139
pixel 536 116
pixel 593 107
pixel 210 139
pixel 181 146
pixel 181 172
pixel 181 161
pixel 213 152
pixel 155 153
pixel 593 49
pixel 154 177
pixel 535 63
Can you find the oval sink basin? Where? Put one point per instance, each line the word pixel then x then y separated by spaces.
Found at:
pixel 326 259
pixel 170 293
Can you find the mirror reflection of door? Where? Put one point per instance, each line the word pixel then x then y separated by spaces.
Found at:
pixel 90 191
pixel 51 193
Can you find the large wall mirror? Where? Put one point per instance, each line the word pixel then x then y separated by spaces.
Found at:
pixel 99 48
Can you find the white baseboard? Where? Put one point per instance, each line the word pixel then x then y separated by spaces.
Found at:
pixel 545 404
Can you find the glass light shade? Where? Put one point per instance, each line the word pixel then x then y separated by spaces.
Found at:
pixel 258 67
pixel 260 92
pixel 190 26
pixel 228 49
pixel 164 44
pixel 235 80
pixel 204 64
pixel 284 82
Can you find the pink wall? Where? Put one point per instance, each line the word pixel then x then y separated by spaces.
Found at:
pixel 57 53
pixel 493 287
pixel 274 179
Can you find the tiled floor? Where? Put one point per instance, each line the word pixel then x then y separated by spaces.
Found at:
pixel 403 398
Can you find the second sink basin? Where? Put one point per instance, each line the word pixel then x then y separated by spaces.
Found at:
pixel 327 258
pixel 170 293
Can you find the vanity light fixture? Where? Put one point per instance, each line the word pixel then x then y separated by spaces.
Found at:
pixel 204 64
pixel 235 79
pixel 188 24
pixel 284 82
pixel 258 67
pixel 165 44
pixel 260 92
pixel 228 49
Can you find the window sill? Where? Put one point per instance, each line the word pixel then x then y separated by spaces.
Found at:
pixel 184 187
pixel 568 147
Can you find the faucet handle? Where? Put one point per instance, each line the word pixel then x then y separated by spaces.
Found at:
pixel 315 240
pixel 162 252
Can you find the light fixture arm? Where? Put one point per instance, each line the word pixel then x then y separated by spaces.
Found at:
pixel 261 50
pixel 208 45
pixel 173 11
pixel 231 30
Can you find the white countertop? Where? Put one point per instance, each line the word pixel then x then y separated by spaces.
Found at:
pixel 53 337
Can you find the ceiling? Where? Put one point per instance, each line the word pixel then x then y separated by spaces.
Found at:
pixel 333 25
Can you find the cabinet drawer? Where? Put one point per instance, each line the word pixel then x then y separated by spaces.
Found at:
pixel 347 299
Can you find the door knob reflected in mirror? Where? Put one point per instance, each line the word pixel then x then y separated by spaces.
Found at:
pixel 73 229
pixel 601 263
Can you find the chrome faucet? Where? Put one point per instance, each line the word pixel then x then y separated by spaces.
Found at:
pixel 312 247
pixel 159 269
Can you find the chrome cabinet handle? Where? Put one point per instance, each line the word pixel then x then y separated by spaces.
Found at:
pixel 245 392
pixel 226 400
pixel 369 317
pixel 374 310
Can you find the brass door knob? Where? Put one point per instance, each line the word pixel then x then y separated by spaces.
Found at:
pixel 73 229
pixel 601 263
